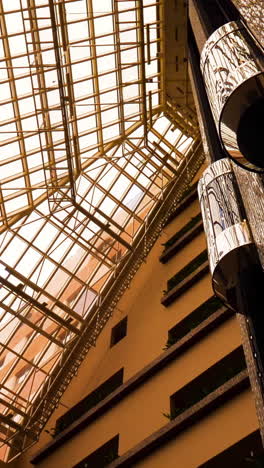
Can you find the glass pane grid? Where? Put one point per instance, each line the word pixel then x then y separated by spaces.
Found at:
pixel 86 153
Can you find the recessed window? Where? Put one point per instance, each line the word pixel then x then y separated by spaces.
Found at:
pixel 187 270
pixel 91 400
pixel 119 332
pixel 207 382
pixel 246 453
pixel 187 227
pixel 101 457
pixel 194 319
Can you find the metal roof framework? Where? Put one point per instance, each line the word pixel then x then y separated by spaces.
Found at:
pixel 87 155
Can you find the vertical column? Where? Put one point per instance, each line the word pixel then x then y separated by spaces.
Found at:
pixel 249 317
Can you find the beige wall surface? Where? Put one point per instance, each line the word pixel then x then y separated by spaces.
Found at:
pixel 210 436
pixel 141 413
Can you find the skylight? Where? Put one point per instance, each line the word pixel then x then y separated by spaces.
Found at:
pixel 86 154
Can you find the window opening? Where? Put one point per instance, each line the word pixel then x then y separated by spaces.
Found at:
pixel 90 401
pixel 119 332
pixel 101 457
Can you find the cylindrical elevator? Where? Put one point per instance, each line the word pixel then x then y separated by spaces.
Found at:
pixel 233 70
pixel 233 257
pixel 229 50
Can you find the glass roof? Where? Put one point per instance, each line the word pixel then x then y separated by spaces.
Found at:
pixel 86 152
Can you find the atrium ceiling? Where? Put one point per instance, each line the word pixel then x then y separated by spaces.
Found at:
pixel 90 144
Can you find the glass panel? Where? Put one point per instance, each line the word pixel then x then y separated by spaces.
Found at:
pixel 79 171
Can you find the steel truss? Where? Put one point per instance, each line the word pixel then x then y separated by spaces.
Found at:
pixel 94 160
